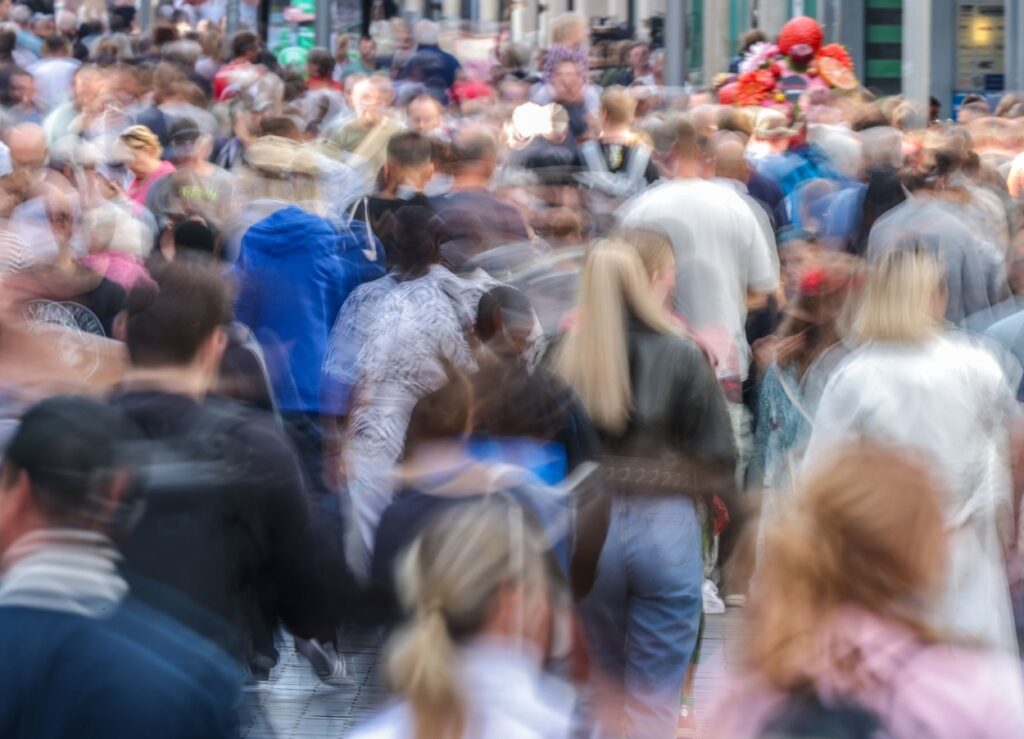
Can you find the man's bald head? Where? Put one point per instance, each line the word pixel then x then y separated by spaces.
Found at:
pixel 27 143
pixel 473 146
pixel 730 161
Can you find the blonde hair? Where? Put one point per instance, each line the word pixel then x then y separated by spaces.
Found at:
pixel 449 581
pixel 563 26
pixel 618 106
pixel 594 358
pixel 140 138
pixel 864 530
pixel 653 247
pixel 900 300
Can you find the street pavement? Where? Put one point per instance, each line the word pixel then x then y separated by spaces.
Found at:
pixel 294 704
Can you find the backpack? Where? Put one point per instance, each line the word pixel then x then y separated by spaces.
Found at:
pixel 804 716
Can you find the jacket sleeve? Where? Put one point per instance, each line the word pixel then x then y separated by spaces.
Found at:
pixel 698 421
pixel 304 566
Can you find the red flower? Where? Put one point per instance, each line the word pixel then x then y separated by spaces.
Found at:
pixel 837 52
pixel 753 87
pixel 801 30
pixel 812 281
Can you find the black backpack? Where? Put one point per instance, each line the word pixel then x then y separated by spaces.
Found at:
pixel 804 716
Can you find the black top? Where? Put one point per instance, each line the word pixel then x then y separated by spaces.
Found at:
pixel 226 522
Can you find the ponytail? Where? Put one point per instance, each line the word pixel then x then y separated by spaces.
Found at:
pixel 448 582
pixel 421 668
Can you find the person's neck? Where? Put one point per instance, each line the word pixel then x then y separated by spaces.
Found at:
pixel 147 170
pixel 188 380
pixel 687 170
pixel 470 181
pixel 616 134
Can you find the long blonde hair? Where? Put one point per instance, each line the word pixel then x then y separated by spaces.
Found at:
pixel 902 293
pixel 866 530
pixel 594 358
pixel 449 581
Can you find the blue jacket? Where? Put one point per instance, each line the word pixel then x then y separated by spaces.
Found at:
pixel 135 674
pixel 434 68
pixel 295 270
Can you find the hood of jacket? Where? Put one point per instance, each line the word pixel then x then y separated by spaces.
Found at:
pixel 290 230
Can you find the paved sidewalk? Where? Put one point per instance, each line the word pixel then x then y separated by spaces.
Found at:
pixel 294 704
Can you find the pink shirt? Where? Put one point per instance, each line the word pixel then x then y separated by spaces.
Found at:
pixel 124 269
pixel 138 191
pixel 917 690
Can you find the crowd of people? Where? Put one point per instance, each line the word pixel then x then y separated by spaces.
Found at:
pixel 519 364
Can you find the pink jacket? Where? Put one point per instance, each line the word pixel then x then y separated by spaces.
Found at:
pixel 917 691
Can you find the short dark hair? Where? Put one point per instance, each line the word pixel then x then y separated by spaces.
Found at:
pixel 193 238
pixel 167 324
pixel 280 125
pixel 244 42
pixel 414 239
pixel 409 149
pixel 56 44
pixel 69 447
pixel 164 33
pixel 322 62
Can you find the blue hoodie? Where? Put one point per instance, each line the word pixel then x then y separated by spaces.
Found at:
pixel 294 271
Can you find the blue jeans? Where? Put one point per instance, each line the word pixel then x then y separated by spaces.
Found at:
pixel 643 613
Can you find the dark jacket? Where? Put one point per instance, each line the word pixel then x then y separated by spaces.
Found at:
pixel 135 673
pixel 227 525
pixel 678 410
pixel 678 440
pixel 434 68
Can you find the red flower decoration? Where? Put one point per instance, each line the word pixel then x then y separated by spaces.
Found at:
pixel 812 281
pixel 754 87
pixel 801 30
pixel 837 52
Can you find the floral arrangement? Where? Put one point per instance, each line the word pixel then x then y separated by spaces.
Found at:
pixel 800 57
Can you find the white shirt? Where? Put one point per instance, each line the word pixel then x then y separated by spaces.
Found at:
pixel 721 253
pixel 507 697
pixel 53 80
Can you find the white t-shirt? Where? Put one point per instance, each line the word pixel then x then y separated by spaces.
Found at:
pixel 721 253
pixel 53 80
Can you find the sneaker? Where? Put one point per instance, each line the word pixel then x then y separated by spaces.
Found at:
pixel 713 604
pixel 686 726
pixel 328 665
pixel 736 600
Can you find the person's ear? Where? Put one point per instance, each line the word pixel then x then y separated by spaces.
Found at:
pixel 15 498
pixel 120 327
pixel 212 350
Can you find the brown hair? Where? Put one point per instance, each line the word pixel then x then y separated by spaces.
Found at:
pixel 865 529
pixel 618 106
pixel 167 324
pixel 813 322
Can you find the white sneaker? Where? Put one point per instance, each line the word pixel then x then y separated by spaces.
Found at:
pixel 713 604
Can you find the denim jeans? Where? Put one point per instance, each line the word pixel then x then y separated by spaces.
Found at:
pixel 643 613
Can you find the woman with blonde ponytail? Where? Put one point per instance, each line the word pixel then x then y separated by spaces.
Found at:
pixel 666 440
pixel 841 642
pixel 468 664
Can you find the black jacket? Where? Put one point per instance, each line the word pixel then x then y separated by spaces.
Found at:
pixel 678 441
pixel 226 529
pixel 679 413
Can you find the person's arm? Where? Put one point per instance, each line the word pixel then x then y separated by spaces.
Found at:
pixel 304 564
